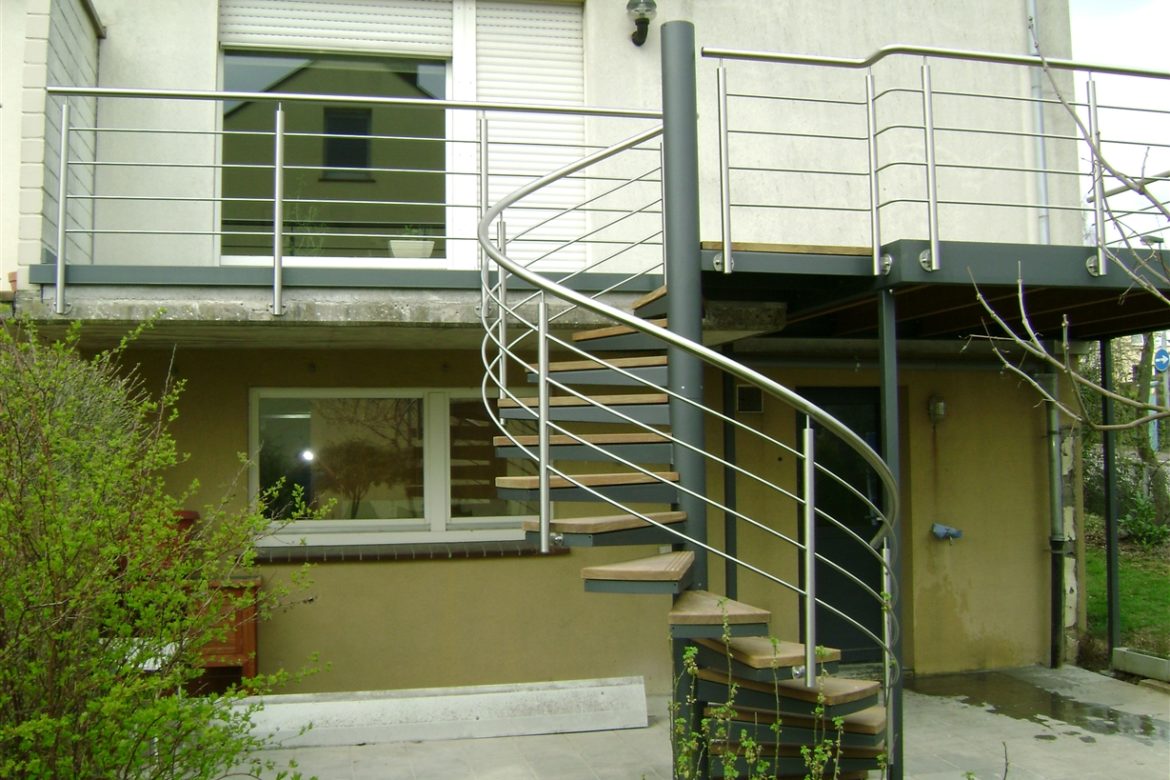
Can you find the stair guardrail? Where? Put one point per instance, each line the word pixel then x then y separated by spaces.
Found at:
pixel 498 350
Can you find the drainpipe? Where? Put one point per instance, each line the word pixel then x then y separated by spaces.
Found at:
pixel 1039 141
pixel 1058 543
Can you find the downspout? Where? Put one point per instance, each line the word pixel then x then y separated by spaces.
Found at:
pixel 1058 543
pixel 1039 141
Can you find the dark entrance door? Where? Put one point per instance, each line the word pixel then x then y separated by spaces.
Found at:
pixel 858 408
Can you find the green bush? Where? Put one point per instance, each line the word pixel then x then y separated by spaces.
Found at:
pixel 1141 524
pixel 105 601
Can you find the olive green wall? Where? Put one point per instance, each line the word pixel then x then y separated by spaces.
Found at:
pixel 979 602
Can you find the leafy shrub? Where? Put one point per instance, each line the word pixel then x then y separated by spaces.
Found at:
pixel 1141 524
pixel 105 601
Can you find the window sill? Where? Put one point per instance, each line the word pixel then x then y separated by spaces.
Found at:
pixel 423 551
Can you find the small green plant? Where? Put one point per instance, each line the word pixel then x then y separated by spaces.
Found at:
pixel 1142 524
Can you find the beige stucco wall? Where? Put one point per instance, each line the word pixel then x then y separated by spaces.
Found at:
pixel 980 602
pixel 412 624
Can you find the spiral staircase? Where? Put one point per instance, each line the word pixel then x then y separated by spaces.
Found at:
pixel 615 425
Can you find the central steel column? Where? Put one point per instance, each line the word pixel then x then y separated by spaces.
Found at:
pixel 891 449
pixel 684 299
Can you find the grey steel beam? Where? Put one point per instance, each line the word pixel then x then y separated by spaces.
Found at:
pixel 681 238
pixel 1109 466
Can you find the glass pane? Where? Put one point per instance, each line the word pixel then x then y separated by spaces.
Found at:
pixel 475 466
pixel 354 176
pixel 360 457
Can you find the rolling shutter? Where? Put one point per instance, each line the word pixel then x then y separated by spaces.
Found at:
pixel 532 52
pixel 417 27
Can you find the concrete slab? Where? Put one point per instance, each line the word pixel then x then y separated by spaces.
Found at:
pixel 947 736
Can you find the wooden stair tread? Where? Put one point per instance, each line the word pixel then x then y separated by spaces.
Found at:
pixel 606 523
pixel 642 361
pixel 870 721
pixel 532 440
pixel 792 249
pixel 612 330
pixel 531 482
pixel 624 399
pixel 649 297
pixel 836 690
pixel 668 567
pixel 700 607
pixel 759 652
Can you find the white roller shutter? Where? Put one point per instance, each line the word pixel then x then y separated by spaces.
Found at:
pixel 533 52
pixel 418 27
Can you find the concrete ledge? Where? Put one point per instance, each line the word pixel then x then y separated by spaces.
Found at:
pixel 370 717
pixel 1134 662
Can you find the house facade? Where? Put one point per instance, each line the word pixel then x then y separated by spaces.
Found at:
pixel 238 171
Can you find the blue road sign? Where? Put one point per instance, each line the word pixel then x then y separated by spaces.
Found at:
pixel 1161 360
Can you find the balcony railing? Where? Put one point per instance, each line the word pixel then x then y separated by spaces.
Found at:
pixel 231 179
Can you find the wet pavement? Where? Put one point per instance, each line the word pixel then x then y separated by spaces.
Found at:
pixel 1030 724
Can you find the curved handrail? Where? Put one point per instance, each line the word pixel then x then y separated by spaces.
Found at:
pixel 505 351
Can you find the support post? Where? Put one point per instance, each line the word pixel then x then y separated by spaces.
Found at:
pixel 810 554
pixel 875 229
pixel 684 299
pixel 1056 539
pixel 728 265
pixel 1101 266
pixel 730 498
pixel 278 213
pixel 502 287
pixel 1108 464
pixel 930 263
pixel 891 448
pixel 62 210
pixel 542 424
pixel 484 274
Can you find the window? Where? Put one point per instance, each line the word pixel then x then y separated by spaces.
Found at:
pixel 346 145
pixel 382 466
pixel 354 175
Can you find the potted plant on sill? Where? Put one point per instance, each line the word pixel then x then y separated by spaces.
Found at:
pixel 411 241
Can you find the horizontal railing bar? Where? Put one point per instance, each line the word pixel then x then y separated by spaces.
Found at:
pixel 797 99
pixel 1006 169
pixel 300 97
pixel 936 52
pixel 791 134
pixel 814 171
pixel 798 207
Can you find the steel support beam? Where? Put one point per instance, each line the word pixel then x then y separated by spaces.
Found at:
pixel 684 299
pixel 1109 466
pixel 891 449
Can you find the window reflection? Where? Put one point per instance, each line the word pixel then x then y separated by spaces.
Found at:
pixel 354 175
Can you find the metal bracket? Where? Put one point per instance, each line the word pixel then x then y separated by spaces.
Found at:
pixel 925 260
pixel 717 262
pixel 887 264
pixel 1092 265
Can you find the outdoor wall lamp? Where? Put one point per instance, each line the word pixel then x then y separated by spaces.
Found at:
pixel 942 532
pixel 936 408
pixel 641 11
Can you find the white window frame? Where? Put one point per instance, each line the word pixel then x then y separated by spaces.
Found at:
pixel 437 521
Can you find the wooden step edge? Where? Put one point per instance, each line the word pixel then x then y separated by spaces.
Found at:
pixel 605 523
pixel 589 480
pixel 649 298
pixel 625 399
pixel 612 330
pixel 870 721
pixel 760 652
pixel 791 249
pixel 560 439
pixel 667 567
pixel 699 607
pixel 641 361
pixel 834 690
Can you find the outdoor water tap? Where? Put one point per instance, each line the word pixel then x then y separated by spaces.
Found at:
pixel 941 531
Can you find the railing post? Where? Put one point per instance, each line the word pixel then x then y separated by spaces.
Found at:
pixel 502 287
pixel 810 555
pixel 725 263
pixel 278 213
pixel 1098 172
pixel 684 299
pixel 930 263
pixel 542 423
pixel 875 232
pixel 62 210
pixel 484 273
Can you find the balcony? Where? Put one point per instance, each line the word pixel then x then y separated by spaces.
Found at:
pixel 913 170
